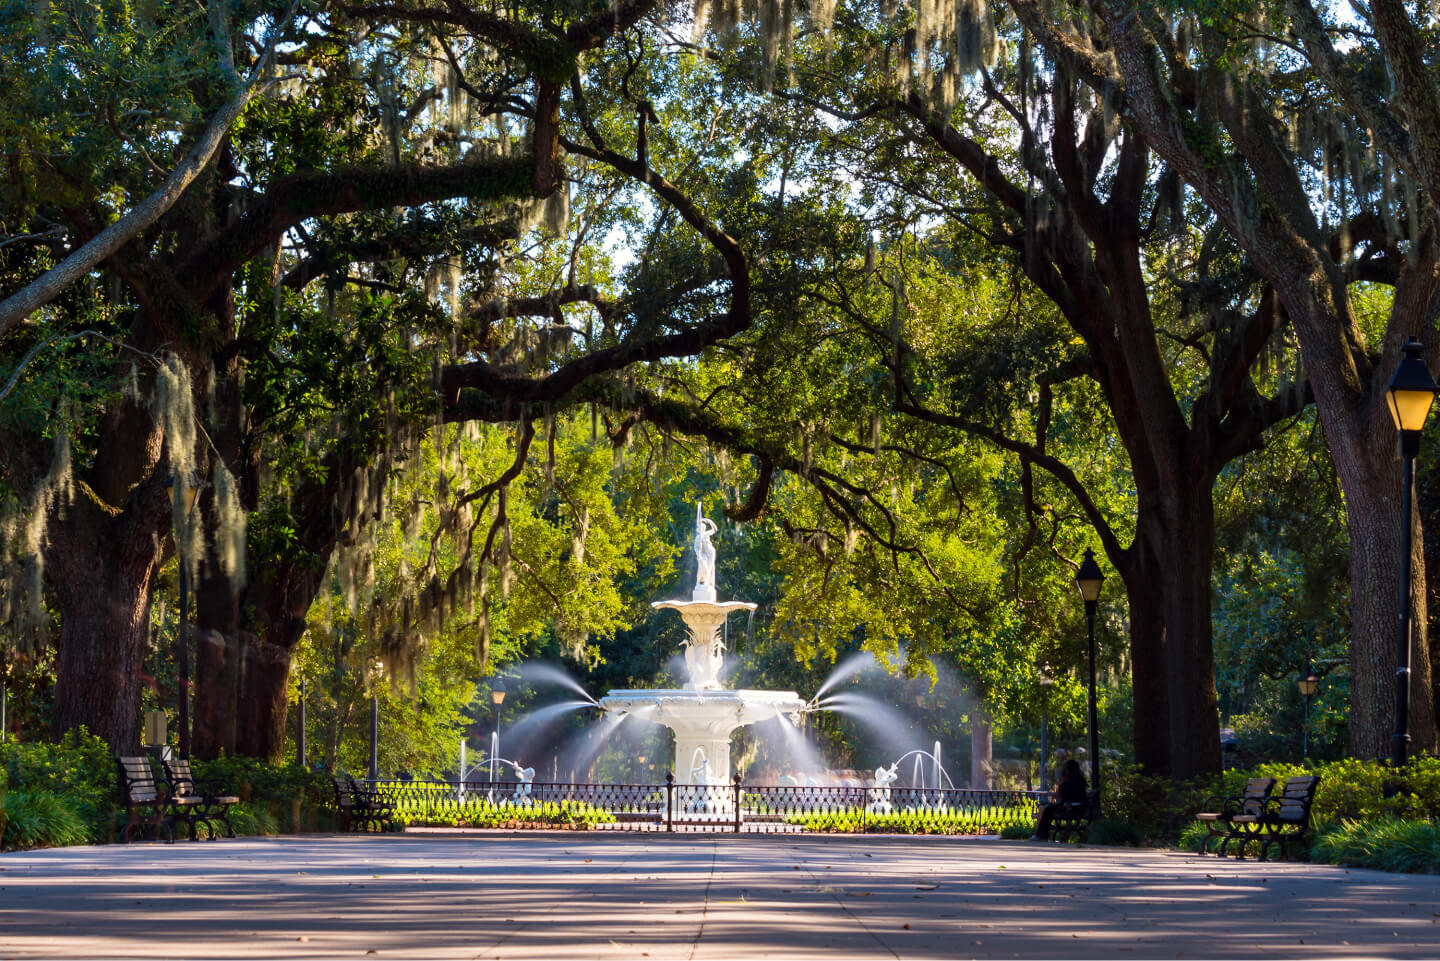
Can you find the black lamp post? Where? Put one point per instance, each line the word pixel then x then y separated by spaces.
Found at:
pixel 1410 393
pixel 1045 680
pixel 1309 684
pixel 1088 579
pixel 497 697
pixel 182 499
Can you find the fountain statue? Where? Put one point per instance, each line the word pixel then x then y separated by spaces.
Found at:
pixel 526 778
pixel 880 793
pixel 702 714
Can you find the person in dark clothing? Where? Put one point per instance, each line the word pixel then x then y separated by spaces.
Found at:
pixel 1070 790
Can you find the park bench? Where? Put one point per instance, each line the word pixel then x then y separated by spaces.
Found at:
pixel 1283 819
pixel 1073 819
pixel 358 807
pixel 149 800
pixel 1220 812
pixel 215 798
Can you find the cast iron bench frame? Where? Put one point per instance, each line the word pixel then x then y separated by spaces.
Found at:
pixel 1073 819
pixel 1221 811
pixel 1283 819
pixel 358 806
pixel 149 800
pixel 215 797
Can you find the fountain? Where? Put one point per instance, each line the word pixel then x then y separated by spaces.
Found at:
pixel 702 714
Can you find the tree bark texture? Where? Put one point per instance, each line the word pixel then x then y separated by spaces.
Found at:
pixel 101 574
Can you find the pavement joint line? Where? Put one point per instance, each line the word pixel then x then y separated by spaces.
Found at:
pixel 835 894
pixel 705 902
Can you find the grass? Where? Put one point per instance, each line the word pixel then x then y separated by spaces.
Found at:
pixel 1405 846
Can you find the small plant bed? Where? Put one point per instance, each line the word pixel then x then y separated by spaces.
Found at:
pixel 972 821
pixel 484 813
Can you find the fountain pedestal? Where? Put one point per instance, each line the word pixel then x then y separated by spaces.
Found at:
pixel 703 720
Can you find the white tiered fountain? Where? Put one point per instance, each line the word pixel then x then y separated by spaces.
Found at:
pixel 702 714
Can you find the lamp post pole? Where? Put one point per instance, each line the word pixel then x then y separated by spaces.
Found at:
pixel 182 499
pixel 1045 681
pixel 374 737
pixel 1410 393
pixel 1088 578
pixel 300 752
pixel 1309 683
pixel 497 697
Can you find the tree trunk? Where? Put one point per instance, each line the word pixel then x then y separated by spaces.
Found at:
pixel 1151 716
pixel 1372 508
pixel 264 701
pixel 101 573
pixel 1189 653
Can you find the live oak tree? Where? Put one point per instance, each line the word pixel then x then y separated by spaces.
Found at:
pixel 1310 140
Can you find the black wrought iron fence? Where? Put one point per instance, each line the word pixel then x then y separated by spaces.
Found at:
pixel 735 807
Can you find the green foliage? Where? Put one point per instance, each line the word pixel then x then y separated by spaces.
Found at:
pixel 78 768
pixel 1115 832
pixel 1017 832
pixel 478 811
pixel 1387 844
pixel 985 819
pixel 254 818
pixel 37 818
pixel 253 779
pixel 1154 806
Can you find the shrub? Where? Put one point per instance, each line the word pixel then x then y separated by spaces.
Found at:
pixel 1408 846
pixel 38 818
pixel 269 791
pixel 78 768
pixel 1114 832
pixel 1017 832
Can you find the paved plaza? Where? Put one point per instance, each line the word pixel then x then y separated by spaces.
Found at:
pixel 583 895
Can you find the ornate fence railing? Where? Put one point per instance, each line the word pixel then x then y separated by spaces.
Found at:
pixel 735 807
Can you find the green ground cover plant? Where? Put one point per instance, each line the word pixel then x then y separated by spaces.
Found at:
pixel 1387 844
pixel 988 819
pixel 480 812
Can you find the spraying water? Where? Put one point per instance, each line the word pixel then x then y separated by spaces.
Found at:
pixel 846 669
pixel 540 672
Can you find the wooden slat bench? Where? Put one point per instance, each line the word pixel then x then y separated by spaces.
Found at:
pixel 1283 819
pixel 1220 812
pixel 215 798
pixel 148 800
pixel 358 808
pixel 1073 820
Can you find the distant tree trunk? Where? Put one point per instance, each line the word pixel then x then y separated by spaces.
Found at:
pixel 982 749
pixel 101 574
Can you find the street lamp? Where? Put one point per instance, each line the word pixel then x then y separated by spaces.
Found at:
pixel 182 500
pixel 497 697
pixel 1045 681
pixel 1088 579
pixel 1309 683
pixel 1409 394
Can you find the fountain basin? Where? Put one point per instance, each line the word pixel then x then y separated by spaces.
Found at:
pixel 703 720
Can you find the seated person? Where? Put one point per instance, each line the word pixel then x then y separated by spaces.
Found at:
pixel 1070 790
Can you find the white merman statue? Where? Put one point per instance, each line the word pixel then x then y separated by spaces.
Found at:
pixel 704 556
pixel 703 778
pixel 526 777
pixel 880 793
